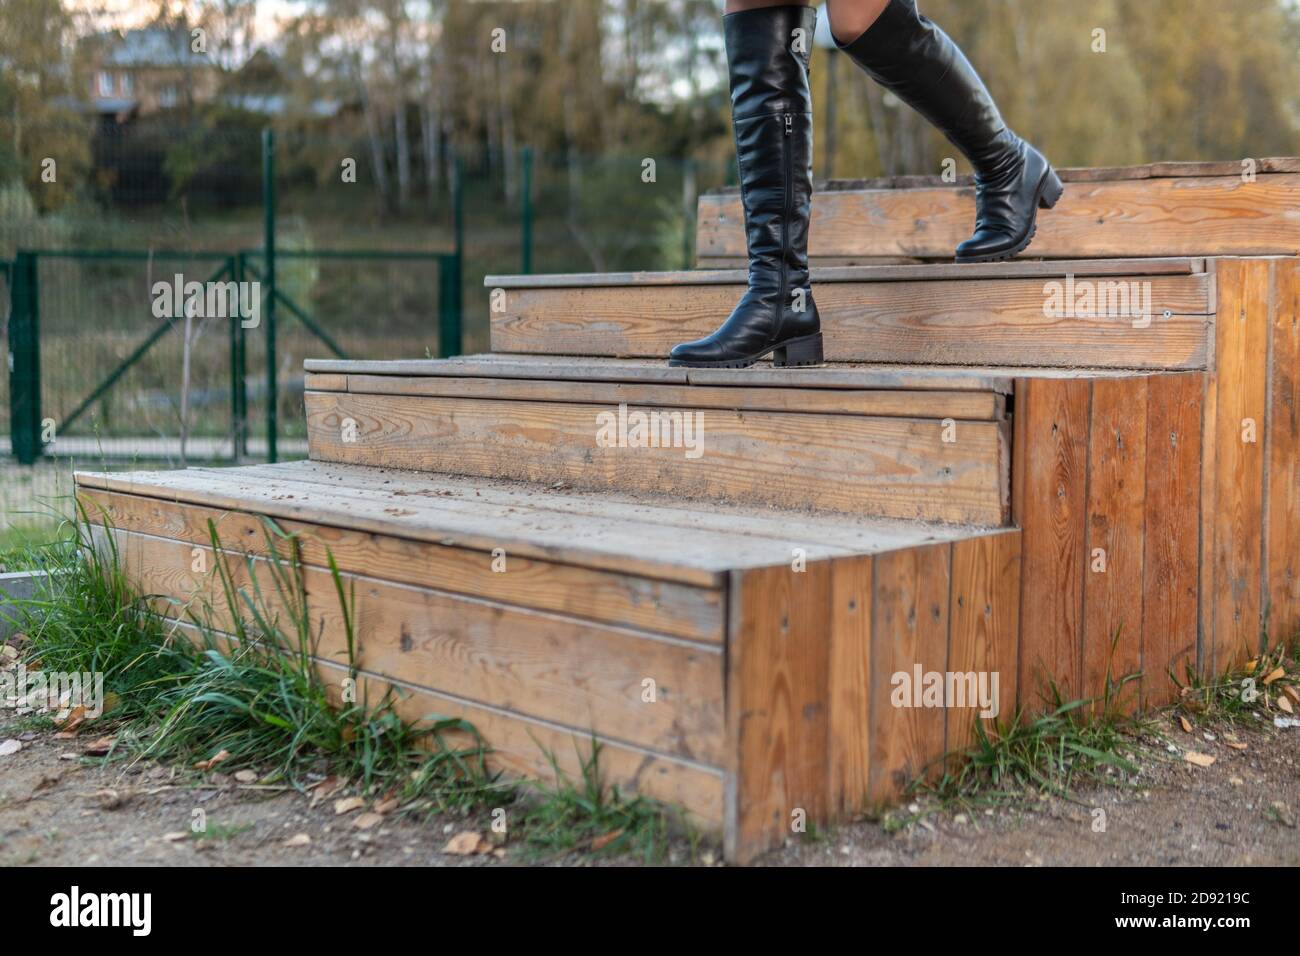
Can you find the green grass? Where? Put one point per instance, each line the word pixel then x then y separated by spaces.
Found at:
pixel 1240 691
pixel 252 687
pixel 586 816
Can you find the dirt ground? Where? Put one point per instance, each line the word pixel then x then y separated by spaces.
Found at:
pixel 58 807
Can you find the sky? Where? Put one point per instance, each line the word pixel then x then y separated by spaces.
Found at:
pixel 109 14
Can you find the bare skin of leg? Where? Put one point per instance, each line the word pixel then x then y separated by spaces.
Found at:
pixel 849 18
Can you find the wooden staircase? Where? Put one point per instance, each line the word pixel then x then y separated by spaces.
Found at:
pixel 721 574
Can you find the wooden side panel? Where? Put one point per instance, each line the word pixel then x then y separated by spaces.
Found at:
pixel 1236 508
pixel 852 582
pixel 910 612
pixel 984 640
pixel 1282 595
pixel 887 467
pixel 681 610
pixel 523 747
pixel 1124 322
pixel 1052 502
pixel 1219 215
pixel 1170 572
pixel 1113 581
pixel 586 676
pixel 778 658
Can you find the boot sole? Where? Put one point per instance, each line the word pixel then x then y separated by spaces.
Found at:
pixel 803 352
pixel 1050 189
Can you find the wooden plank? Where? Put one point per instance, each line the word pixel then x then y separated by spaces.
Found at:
pixel 985 632
pixel 1170 584
pixel 1051 470
pixel 547 666
pixel 521 746
pixel 1192 216
pixel 778 656
pixel 1282 558
pixel 1146 322
pixel 1113 581
pixel 1242 336
pixel 849 695
pixel 649 536
pixel 680 610
pixel 909 631
pixel 875 271
pixel 604 369
pixel 888 402
pixel 889 467
pixel 325 382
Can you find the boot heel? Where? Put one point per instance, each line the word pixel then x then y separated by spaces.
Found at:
pixel 802 351
pixel 1051 190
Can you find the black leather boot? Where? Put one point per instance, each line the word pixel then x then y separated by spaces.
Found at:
pixel 910 56
pixel 768 52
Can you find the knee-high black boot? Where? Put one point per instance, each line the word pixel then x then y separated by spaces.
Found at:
pixel 768 53
pixel 910 56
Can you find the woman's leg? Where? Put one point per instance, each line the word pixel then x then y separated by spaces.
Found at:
pixel 910 56
pixel 768 51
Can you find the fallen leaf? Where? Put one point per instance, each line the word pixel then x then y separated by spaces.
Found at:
pixel 108 799
pixel 1201 760
pixel 1236 745
pixel 1185 724
pixel 8 653
pixel 246 776
pixel 328 787
pixel 100 747
pixel 368 821
pixel 176 836
pixel 298 839
pixel 1252 664
pixel 606 839
pixel 1292 692
pixel 10 746
pixel 74 719
pixel 347 805
pixel 386 806
pixel 220 757
pixel 1284 703
pixel 465 843
pixel 1274 674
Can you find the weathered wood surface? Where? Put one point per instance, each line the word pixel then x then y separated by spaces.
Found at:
pixel 510 658
pixel 1155 216
pixel 1144 321
pixel 885 467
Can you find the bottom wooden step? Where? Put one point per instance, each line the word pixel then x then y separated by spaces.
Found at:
pixel 759 669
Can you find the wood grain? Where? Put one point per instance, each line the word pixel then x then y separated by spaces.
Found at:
pixel 1115 543
pixel 888 467
pixel 898 403
pixel 984 321
pixel 985 629
pixel 545 666
pixel 1170 572
pixel 680 610
pixel 1241 347
pixel 1189 216
pixel 1282 555
pixel 778 657
pixel 909 629
pixel 1052 503
pixel 520 746
pixel 849 696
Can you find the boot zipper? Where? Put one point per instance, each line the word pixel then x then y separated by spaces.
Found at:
pixel 787 154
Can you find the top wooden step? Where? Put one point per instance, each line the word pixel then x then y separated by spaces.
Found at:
pixel 1250 207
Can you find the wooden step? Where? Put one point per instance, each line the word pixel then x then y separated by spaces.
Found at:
pixel 770 638
pixel 1167 209
pixel 1125 313
pixel 938 455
